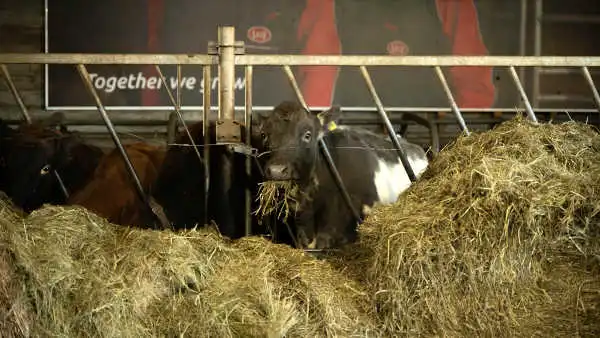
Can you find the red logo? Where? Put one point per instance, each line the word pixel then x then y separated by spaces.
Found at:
pixel 397 47
pixel 259 34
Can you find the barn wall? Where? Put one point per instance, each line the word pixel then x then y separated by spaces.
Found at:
pixel 22 31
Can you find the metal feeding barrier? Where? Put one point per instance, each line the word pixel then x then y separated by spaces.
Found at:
pixel 228 53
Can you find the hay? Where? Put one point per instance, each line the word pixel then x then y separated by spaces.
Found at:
pixel 86 277
pixel 279 198
pixel 499 237
pixel 15 312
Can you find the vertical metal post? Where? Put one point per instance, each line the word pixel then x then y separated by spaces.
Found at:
pixel 324 149
pixel 388 124
pixel 523 34
pixel 111 129
pixel 515 76
pixel 178 86
pixel 226 72
pixel 457 113
pixel 206 133
pixel 248 123
pixel 590 81
pixel 15 93
pixel 537 49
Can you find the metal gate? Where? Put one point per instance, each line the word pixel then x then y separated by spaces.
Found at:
pixel 228 53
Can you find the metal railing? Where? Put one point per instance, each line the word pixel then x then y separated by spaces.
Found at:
pixel 227 54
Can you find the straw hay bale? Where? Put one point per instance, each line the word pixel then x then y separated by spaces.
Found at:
pixel 87 277
pixel 499 237
pixel 15 312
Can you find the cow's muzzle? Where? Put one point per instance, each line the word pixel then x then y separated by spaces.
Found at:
pixel 278 172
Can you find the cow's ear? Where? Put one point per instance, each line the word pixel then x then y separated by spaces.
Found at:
pixel 55 121
pixel 330 118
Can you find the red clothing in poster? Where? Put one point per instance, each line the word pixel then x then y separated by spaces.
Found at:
pixel 472 86
pixel 317 30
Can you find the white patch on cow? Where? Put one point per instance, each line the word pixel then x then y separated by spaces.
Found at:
pixel 391 179
pixel 366 210
pixel 312 244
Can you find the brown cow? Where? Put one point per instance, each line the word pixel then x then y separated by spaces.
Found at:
pixel 112 194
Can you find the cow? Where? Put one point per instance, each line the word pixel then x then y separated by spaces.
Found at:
pixel 180 186
pixel 30 154
pixel 368 164
pixel 111 192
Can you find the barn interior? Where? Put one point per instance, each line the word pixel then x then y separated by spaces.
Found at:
pixel 559 94
pixel 500 238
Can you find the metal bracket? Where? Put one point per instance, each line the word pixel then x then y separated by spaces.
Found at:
pixel 242 148
pixel 229 131
pixel 239 48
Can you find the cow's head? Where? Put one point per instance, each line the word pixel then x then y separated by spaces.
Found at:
pixel 291 134
pixel 35 151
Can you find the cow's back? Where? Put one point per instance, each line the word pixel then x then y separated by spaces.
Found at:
pixel 358 155
pixel 112 194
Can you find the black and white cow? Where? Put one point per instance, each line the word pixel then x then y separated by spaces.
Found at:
pixel 367 162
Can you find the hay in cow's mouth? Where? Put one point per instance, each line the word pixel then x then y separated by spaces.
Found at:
pixel 73 274
pixel 277 197
pixel 499 237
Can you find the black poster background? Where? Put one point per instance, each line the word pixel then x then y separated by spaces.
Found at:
pixel 186 26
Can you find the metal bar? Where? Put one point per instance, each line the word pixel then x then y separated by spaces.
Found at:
pixel 303 60
pixel 226 72
pixel 248 123
pixel 453 105
pixel 152 118
pixel 107 59
pixel 564 71
pixel 590 81
pixel 178 112
pixel 85 76
pixel 206 133
pixel 388 125
pixel 572 18
pixel 324 149
pixel 158 116
pixel 178 103
pixel 443 61
pixel 515 77
pixel 537 50
pixel 15 93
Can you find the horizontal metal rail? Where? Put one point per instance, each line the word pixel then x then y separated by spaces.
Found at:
pixel 298 60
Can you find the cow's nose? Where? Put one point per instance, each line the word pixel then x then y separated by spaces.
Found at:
pixel 276 171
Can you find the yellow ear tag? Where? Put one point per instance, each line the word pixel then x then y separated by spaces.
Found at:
pixel 332 126
pixel 321 118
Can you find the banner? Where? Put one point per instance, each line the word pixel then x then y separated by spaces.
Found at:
pixel 312 27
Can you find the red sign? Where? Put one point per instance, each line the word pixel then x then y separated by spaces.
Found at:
pixel 397 47
pixel 259 34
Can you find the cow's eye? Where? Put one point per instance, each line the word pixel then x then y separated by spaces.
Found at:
pixel 45 169
pixel 307 136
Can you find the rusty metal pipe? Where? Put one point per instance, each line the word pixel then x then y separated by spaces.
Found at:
pixel 206 133
pixel 388 124
pixel 15 93
pixel 85 76
pixel 590 81
pixel 517 81
pixel 178 112
pixel 453 105
pixel 248 122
